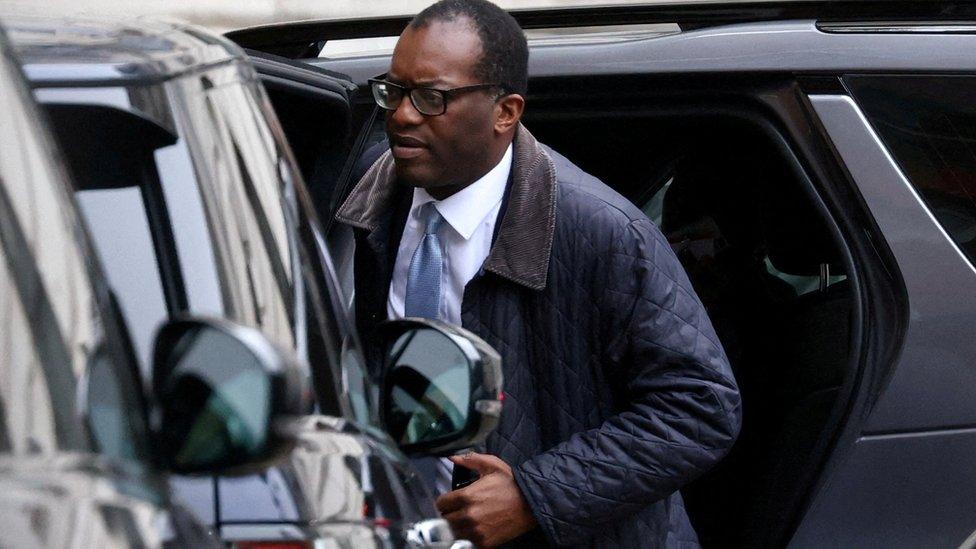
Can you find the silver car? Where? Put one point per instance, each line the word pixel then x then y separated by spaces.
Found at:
pixel 84 449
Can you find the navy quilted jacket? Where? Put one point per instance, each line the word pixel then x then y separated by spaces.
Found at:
pixel 617 390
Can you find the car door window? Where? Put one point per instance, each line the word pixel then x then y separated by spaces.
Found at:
pixel 929 125
pixel 244 206
pixel 112 154
pixel 702 239
pixel 259 199
pixel 118 223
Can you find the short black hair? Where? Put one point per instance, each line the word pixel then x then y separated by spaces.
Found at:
pixel 505 51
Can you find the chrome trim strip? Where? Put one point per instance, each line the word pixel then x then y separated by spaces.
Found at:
pixel 899 27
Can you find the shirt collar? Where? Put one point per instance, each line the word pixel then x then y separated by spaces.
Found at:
pixel 466 209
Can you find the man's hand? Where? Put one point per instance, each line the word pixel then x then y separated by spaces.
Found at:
pixel 489 511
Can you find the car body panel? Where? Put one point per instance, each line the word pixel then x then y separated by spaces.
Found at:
pixel 897 491
pixel 351 485
pixel 96 52
pixel 305 37
pixel 929 387
pixel 781 46
pixel 72 501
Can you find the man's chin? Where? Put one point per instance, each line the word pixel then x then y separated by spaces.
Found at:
pixel 414 176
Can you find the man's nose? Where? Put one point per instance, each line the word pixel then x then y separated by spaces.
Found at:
pixel 406 114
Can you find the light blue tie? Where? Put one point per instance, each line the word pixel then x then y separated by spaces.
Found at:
pixel 423 297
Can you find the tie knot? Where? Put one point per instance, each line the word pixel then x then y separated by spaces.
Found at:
pixel 434 219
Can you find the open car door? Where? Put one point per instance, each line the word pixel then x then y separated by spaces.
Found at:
pixel 321 114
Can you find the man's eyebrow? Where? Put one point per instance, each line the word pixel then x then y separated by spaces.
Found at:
pixel 424 83
pixel 430 82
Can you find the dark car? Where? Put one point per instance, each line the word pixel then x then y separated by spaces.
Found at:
pixel 196 206
pixel 812 165
pixel 84 450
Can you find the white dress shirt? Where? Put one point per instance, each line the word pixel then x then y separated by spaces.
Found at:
pixel 470 214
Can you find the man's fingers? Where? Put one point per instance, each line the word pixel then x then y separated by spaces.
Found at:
pixel 463 526
pixel 480 463
pixel 458 520
pixel 451 501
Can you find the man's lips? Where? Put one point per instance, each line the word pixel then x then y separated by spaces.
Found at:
pixel 405 147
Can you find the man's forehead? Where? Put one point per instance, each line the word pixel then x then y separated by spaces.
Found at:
pixel 439 52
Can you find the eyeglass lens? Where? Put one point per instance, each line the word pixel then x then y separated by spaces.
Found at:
pixel 427 101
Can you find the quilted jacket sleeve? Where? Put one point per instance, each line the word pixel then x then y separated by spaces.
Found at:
pixel 681 410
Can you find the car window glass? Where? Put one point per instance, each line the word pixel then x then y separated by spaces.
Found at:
pixel 701 239
pixel 654 208
pixel 243 204
pixel 120 229
pixel 186 212
pixel 328 323
pixel 56 342
pixel 111 154
pixel 929 125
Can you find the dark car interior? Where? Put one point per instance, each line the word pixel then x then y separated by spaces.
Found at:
pixel 312 105
pixel 767 269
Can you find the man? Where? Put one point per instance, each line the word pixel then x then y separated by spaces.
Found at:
pixel 617 391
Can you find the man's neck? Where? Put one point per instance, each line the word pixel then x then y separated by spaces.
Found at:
pixel 441 193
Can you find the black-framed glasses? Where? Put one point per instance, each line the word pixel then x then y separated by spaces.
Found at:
pixel 427 101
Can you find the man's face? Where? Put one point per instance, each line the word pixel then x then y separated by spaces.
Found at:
pixel 454 148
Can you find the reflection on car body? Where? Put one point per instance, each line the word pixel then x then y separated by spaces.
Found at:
pixel 76 464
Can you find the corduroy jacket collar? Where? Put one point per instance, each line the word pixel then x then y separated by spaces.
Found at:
pixel 522 248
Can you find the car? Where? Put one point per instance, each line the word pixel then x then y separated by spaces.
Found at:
pixel 811 164
pixel 84 449
pixel 197 206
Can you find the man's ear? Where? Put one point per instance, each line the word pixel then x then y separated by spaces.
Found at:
pixel 508 112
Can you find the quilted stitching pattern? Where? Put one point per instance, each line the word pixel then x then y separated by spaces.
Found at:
pixel 617 390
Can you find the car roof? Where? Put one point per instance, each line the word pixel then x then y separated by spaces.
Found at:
pixel 779 47
pixel 91 51
pixel 303 39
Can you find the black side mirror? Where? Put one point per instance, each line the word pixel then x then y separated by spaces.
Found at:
pixel 224 395
pixel 441 387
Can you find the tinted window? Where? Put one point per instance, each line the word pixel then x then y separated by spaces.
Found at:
pixel 112 152
pixel 929 125
pixel 699 239
pixel 262 195
pixel 118 223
